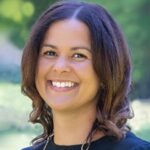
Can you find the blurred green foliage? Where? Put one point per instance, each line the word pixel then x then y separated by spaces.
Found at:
pixel 11 74
pixel 18 16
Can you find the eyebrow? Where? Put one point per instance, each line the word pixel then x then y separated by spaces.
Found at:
pixel 73 48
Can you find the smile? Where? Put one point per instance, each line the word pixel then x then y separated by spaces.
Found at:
pixel 62 85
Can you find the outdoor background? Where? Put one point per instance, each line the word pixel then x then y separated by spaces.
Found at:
pixel 16 20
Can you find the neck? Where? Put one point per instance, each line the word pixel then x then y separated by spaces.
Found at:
pixel 73 128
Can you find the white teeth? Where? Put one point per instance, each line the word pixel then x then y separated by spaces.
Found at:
pixel 62 84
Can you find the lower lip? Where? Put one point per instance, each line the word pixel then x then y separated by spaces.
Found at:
pixel 60 89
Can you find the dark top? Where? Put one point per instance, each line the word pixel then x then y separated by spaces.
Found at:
pixel 130 142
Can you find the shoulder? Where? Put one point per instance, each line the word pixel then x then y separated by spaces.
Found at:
pixel 27 148
pixel 38 146
pixel 132 142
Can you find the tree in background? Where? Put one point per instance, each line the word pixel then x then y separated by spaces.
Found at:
pixel 17 17
pixel 134 18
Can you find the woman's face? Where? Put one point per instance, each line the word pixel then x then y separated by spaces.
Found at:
pixel 65 77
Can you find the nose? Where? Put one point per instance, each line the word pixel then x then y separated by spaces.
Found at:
pixel 62 64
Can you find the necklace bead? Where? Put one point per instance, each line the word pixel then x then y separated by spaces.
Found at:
pixel 84 146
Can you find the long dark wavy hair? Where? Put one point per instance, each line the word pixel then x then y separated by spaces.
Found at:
pixel 111 62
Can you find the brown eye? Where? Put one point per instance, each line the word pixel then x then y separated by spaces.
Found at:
pixel 50 53
pixel 79 56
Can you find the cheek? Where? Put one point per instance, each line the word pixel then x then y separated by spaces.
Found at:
pixel 88 77
pixel 41 71
pixel 42 68
pixel 86 70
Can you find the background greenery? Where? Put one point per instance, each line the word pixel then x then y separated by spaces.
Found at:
pixel 16 20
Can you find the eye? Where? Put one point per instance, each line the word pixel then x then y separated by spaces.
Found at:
pixel 79 56
pixel 50 53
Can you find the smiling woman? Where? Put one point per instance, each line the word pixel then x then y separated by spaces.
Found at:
pixel 64 71
pixel 76 69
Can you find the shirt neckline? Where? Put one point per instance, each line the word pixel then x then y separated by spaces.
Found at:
pixel 55 146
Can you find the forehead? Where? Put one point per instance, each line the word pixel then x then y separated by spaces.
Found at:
pixel 69 31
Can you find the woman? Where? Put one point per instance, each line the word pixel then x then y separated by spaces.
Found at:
pixel 76 68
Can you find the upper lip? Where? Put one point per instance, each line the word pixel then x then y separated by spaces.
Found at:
pixel 66 82
pixel 62 81
pixel 59 80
